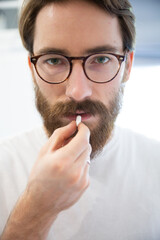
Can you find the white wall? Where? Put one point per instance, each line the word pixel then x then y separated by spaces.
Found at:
pixel 17 111
pixel 141 109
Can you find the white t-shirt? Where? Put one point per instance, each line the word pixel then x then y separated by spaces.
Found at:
pixel 122 201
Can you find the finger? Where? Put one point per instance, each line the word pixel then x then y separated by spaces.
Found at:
pixel 79 143
pixel 61 135
pixel 84 157
pixel 78 170
pixel 85 179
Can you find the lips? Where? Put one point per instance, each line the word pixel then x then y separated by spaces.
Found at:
pixel 84 116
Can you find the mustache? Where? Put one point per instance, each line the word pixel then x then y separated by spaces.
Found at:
pixel 71 107
pixel 60 109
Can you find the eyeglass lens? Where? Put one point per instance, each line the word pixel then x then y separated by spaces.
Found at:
pixel 55 68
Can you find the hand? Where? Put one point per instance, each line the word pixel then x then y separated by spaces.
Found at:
pixel 58 179
pixel 60 174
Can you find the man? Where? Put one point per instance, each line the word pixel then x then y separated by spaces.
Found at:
pixel 94 181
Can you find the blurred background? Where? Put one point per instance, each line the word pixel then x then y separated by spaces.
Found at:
pixel 141 105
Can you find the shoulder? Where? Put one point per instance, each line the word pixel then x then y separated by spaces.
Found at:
pixel 135 137
pixel 138 144
pixel 23 144
pixel 17 156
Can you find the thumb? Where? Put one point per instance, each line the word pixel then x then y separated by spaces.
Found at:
pixel 61 135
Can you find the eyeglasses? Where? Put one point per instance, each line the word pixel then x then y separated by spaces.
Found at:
pixel 99 67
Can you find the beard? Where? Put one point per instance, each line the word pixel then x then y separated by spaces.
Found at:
pixel 52 116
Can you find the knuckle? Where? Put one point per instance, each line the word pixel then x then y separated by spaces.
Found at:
pixel 85 142
pixel 57 132
pixel 74 178
pixel 58 167
pixel 84 183
pixel 79 182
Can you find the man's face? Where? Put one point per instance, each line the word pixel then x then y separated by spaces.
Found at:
pixel 75 29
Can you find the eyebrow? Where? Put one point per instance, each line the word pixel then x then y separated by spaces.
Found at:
pixel 105 48
pixel 98 49
pixel 52 50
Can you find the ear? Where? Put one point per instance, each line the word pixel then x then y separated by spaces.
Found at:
pixel 29 62
pixel 128 67
pixel 31 66
pixel 31 69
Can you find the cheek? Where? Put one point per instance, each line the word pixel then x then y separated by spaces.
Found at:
pixel 108 91
pixel 52 92
pixel 116 83
pixel 120 76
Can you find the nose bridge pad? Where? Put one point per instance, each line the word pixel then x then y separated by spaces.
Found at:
pixel 82 59
pixel 72 65
pixel 77 59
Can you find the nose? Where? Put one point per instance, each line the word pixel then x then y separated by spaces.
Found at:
pixel 78 86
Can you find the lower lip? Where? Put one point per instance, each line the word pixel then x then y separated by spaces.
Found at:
pixel 85 116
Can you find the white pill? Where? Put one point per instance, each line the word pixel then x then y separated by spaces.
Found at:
pixel 78 120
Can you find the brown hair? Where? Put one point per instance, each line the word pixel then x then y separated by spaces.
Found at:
pixel 121 8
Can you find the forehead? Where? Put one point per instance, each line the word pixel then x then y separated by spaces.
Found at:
pixel 76 26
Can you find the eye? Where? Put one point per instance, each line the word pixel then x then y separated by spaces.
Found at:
pixel 54 61
pixel 102 59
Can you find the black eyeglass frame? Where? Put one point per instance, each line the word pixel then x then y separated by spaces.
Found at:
pixel 120 58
